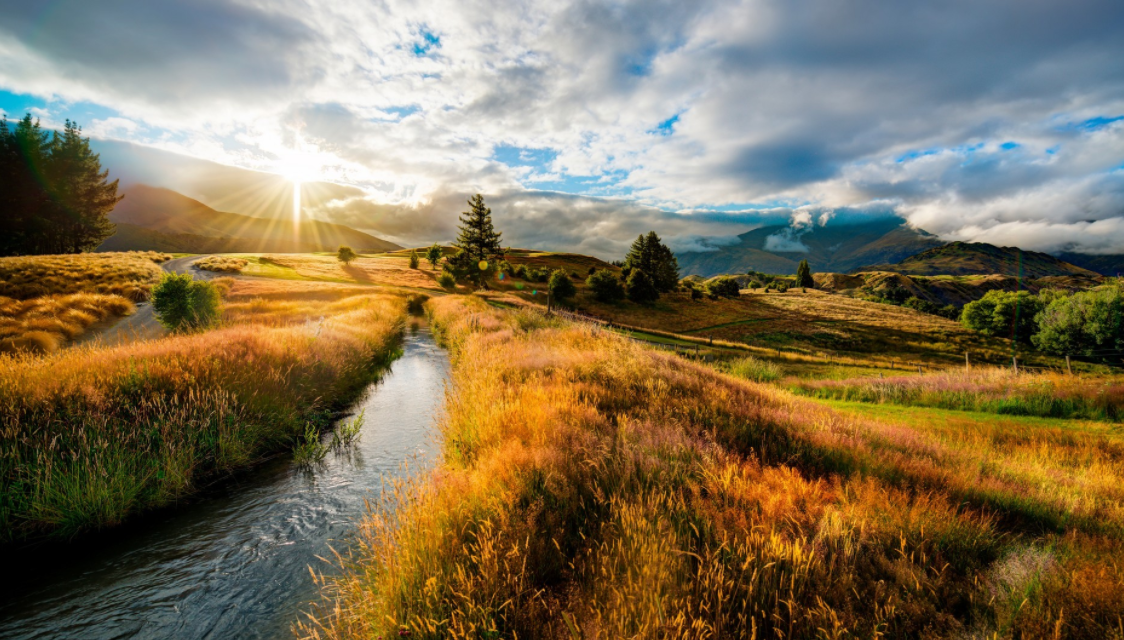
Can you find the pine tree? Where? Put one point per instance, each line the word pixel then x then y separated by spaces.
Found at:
pixel 478 241
pixel 804 275
pixel 650 255
pixel 80 192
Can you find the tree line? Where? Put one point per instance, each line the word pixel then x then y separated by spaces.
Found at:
pixel 54 195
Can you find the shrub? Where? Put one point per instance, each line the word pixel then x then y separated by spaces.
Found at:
pixel 413 259
pixel 782 287
pixel 1084 323
pixel 561 288
pixel 433 254
pixel 346 255
pixel 724 287
pixel 640 287
pixel 519 271
pixel 1003 313
pixel 183 303
pixel 446 280
pixel 605 286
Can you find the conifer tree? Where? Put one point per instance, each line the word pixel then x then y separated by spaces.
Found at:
pixel 650 255
pixel 804 275
pixel 478 241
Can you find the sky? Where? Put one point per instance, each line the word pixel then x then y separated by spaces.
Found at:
pixel 586 123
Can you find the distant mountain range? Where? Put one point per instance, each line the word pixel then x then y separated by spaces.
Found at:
pixel 887 244
pixel 151 218
pixel 835 248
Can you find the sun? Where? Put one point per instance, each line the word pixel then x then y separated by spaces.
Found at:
pixel 297 167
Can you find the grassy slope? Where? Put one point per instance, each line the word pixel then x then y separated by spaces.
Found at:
pixel 594 488
pixel 967 258
pixel 92 435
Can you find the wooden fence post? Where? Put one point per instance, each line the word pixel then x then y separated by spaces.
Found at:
pixel 1015 364
pixel 1067 368
pixel 967 365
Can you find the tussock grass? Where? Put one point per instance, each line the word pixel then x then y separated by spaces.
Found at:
pixel 750 368
pixel 222 264
pixel 988 389
pixel 42 325
pixel 89 436
pixel 129 275
pixel 592 488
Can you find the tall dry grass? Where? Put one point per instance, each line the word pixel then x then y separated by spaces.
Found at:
pixel 592 488
pixel 130 275
pixel 222 264
pixel 42 325
pixel 90 436
pixel 989 389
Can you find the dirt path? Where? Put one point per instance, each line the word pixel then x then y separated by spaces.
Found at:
pixel 143 325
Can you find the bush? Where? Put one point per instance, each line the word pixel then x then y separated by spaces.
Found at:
pixel 519 271
pixel 414 260
pixel 605 286
pixel 640 287
pixel 1003 313
pixel 724 287
pixel 446 280
pixel 1082 324
pixel 561 288
pixel 183 303
pixel 782 287
pixel 346 255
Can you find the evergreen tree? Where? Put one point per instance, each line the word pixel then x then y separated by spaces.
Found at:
pixel 561 289
pixel 650 255
pixel 414 259
pixel 804 275
pixel 478 241
pixel 641 288
pixel 55 197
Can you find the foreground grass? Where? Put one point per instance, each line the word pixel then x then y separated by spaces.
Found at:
pixel 992 390
pixel 593 488
pixel 42 325
pixel 92 435
pixel 130 275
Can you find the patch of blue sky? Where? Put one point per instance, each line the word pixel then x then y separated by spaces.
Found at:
pixel 918 153
pixel 667 127
pixel 512 156
pixel 640 63
pixel 16 105
pixel 402 111
pixel 429 41
pixel 1007 146
pixel 1088 125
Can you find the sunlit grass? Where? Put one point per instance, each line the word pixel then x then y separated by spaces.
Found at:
pixel 43 324
pixel 221 264
pixel 91 435
pixel 594 488
pixel 130 275
pixel 987 389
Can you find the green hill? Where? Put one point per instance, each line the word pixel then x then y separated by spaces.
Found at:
pixel 977 258
pixel 163 220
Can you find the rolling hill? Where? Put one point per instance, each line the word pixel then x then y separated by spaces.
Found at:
pixel 151 218
pixel 1106 265
pixel 840 248
pixel 973 258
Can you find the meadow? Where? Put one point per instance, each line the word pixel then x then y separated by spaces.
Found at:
pixel 986 389
pixel 129 275
pixel 388 269
pixel 92 435
pixel 592 487
pixel 46 323
pixel 221 264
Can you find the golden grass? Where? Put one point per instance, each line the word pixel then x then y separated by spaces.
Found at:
pixel 90 436
pixel 221 264
pixel 42 325
pixel 382 269
pixel 593 488
pixel 130 275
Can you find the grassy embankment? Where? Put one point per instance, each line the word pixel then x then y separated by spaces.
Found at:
pixel 990 390
pixel 592 487
pixel 89 436
pixel 46 301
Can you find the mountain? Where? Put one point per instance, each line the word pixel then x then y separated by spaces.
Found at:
pixel 151 218
pixel 839 248
pixel 1106 265
pixel 974 258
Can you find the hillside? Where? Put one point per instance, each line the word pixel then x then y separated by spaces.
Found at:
pixel 977 258
pixel 833 247
pixel 156 219
pixel 944 290
pixel 1106 265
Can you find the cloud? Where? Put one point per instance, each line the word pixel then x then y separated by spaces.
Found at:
pixel 971 125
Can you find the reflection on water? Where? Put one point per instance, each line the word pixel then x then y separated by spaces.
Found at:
pixel 234 564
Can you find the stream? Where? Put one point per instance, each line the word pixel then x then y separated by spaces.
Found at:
pixel 233 564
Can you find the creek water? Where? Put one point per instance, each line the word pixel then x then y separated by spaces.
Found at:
pixel 232 564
